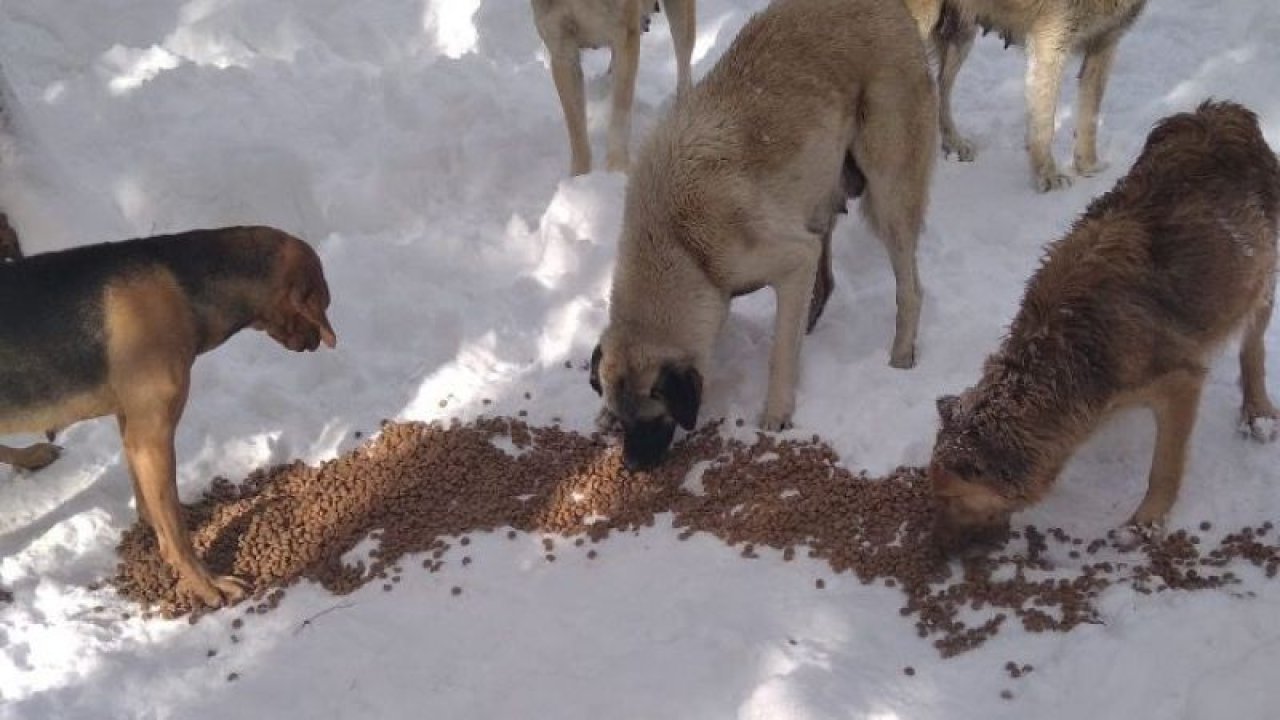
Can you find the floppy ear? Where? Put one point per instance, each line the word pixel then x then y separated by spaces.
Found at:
pixel 681 388
pixel 309 306
pixel 948 409
pixel 595 370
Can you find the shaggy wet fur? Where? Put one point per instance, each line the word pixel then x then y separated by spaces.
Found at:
pixel 1128 308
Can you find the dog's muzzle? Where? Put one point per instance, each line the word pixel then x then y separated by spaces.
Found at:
pixel 645 443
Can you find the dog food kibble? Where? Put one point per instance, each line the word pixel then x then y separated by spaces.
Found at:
pixel 456 590
pixel 909 671
pixel 237 623
pixel 414 486
pixel 233 677
pixel 1006 694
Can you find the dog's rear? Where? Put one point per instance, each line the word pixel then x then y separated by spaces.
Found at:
pixel 739 186
pixel 1051 31
pixel 1128 308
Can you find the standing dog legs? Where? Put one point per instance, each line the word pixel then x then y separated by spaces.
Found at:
pixel 1258 416
pixel 1044 79
pixel 680 14
pixel 1094 71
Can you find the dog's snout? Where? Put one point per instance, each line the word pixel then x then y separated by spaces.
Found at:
pixel 645 443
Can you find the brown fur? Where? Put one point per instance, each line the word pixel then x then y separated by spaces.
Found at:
pixel 1051 31
pixel 569 26
pixel 739 187
pixel 156 315
pixel 1129 308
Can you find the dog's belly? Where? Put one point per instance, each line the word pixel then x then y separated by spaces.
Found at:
pixel 56 413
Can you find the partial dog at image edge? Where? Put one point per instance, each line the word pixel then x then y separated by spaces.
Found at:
pixel 569 26
pixel 113 329
pixel 1129 308
pixel 1051 30
pixel 739 188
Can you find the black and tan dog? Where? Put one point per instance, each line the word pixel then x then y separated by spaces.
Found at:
pixel 113 329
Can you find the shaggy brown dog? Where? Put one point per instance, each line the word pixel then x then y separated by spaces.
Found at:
pixel 1129 308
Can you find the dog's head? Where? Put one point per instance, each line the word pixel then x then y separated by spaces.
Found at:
pixel 971 511
pixel 294 312
pixel 648 392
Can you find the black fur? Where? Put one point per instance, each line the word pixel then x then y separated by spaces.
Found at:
pixel 52 335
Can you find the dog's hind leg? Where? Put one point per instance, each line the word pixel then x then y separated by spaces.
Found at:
pixel 1094 71
pixel 626 60
pixel 1259 417
pixel 32 457
pixel 1045 58
pixel 566 71
pixel 954 38
pixel 681 14
pixel 1175 409
pixel 891 151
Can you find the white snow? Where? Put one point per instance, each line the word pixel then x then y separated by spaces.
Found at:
pixel 418 144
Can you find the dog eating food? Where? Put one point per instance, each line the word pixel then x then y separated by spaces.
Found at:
pixel 1128 308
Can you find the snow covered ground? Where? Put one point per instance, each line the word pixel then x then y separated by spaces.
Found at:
pixel 419 145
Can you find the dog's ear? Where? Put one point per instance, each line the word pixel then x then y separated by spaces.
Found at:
pixel 311 306
pixel 308 290
pixel 595 370
pixel 681 389
pixel 948 409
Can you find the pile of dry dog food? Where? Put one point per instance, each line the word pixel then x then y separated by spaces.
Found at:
pixel 418 490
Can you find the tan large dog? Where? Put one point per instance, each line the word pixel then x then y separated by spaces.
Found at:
pixel 568 26
pixel 1129 308
pixel 738 188
pixel 1051 31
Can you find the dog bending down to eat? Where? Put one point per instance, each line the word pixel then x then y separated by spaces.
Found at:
pixel 568 26
pixel 1128 308
pixel 113 329
pixel 738 188
pixel 1051 30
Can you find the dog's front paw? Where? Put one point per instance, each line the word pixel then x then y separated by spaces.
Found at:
pixel 1050 181
pixel 213 591
pixel 775 422
pixel 36 456
pixel 1138 532
pixel 1260 425
pixel 958 146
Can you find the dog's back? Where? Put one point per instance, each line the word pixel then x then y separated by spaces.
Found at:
pixel 1167 264
pixel 763 137
pixel 52 324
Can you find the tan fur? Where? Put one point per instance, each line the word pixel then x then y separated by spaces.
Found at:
pixel 152 339
pixel 737 189
pixel 569 26
pixel 1128 309
pixel 1051 31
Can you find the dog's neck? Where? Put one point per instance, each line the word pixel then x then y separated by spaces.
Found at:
pixel 1034 406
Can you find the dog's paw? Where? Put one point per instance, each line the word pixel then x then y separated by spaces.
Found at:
pixel 1263 427
pixel 1088 167
pixel 1137 533
pixel 960 147
pixel 36 456
pixel 1053 180
pixel 214 591
pixel 903 359
pixel 771 422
